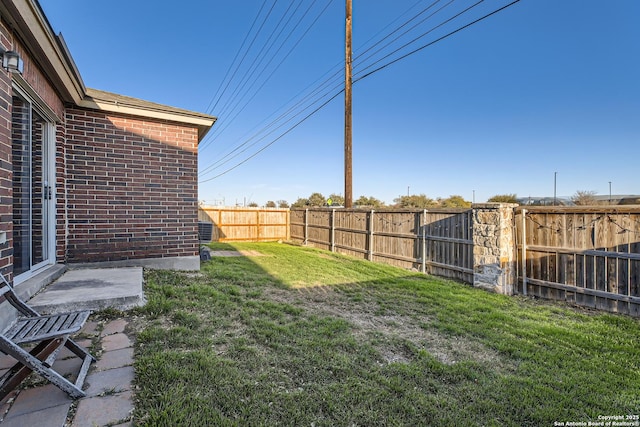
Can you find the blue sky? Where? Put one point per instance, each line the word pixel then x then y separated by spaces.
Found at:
pixel 541 87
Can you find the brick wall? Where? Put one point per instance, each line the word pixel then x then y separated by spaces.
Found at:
pixel 131 188
pixel 6 201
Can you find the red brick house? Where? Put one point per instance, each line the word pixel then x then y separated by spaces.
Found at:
pixel 88 176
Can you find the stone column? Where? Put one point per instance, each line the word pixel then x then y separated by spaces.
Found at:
pixel 494 249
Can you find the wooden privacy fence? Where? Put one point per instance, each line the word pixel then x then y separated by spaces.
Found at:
pixel 586 256
pixel 231 224
pixel 438 241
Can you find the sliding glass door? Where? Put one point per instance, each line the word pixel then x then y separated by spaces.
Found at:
pixel 32 192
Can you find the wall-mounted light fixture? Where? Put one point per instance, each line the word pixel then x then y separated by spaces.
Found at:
pixel 11 61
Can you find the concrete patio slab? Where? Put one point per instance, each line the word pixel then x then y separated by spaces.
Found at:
pixel 92 289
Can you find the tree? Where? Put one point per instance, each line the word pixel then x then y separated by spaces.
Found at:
pixel 316 199
pixel 504 198
pixel 454 202
pixel 283 204
pixel 300 203
pixel 369 202
pixel 584 198
pixel 270 204
pixel 252 205
pixel 336 199
pixel 414 201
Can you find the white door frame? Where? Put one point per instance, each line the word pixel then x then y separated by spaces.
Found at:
pixel 24 91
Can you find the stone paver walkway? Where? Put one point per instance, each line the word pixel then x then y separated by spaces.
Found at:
pixel 109 400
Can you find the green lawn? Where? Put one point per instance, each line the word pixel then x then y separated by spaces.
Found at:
pixel 302 337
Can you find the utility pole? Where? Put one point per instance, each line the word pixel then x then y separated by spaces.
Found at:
pixel 348 135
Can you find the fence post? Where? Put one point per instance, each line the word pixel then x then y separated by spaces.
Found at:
pixel 258 225
pixel 494 252
pixel 370 236
pixel 288 230
pixel 524 252
pixel 333 230
pixel 424 241
pixel 306 226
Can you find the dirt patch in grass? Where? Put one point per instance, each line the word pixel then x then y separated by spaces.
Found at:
pixel 235 253
pixel 395 336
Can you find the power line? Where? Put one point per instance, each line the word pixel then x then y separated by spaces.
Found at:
pixel 295 111
pixel 220 129
pixel 257 60
pixel 427 32
pixel 361 77
pixel 435 41
pixel 338 65
pixel 359 57
pixel 211 108
pixel 311 99
pixel 213 166
pixel 273 71
pixel 275 140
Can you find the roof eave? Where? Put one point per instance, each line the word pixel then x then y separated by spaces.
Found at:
pixel 201 121
pixel 48 50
